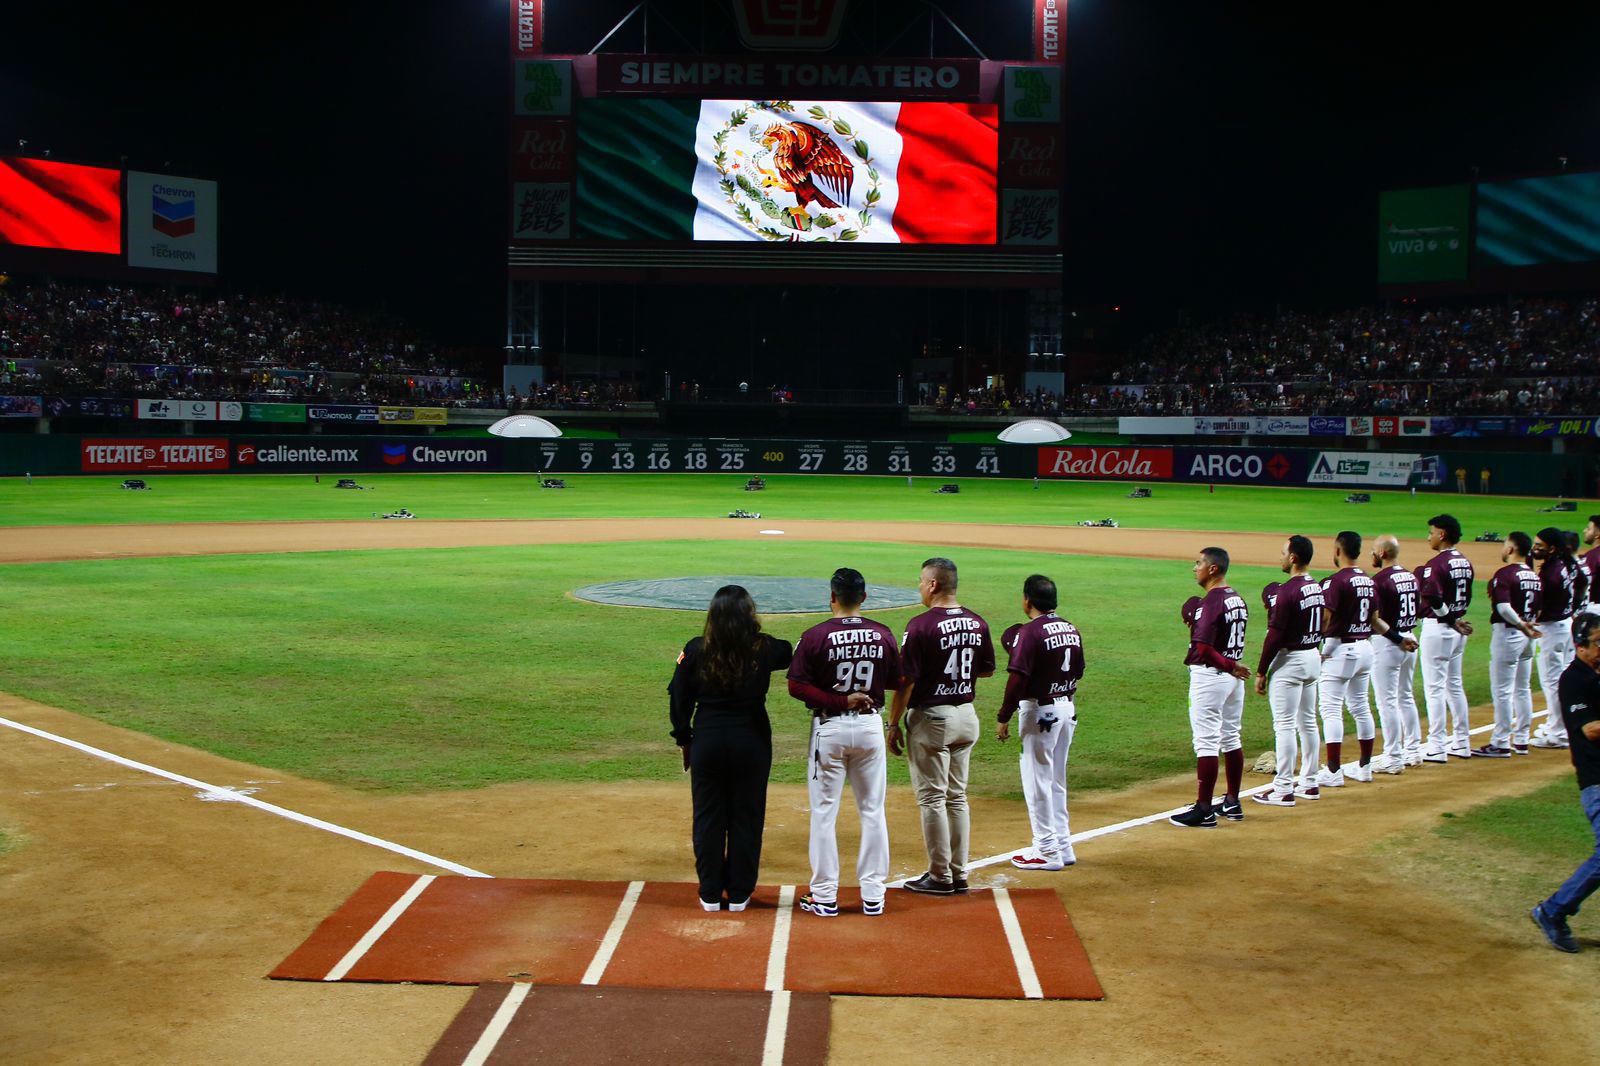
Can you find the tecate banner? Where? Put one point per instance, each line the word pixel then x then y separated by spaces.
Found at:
pixel 343 413
pixel 1127 464
pixel 134 456
pixel 1386 469
pixel 172 223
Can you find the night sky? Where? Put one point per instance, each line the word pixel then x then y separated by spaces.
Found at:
pixel 1221 154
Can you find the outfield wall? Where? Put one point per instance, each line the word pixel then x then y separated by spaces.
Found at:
pixel 1514 473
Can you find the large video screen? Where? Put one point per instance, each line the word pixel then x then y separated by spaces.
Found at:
pixel 1539 220
pixel 787 171
pixel 44 204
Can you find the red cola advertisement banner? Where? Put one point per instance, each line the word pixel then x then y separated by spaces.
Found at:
pixel 177 455
pixel 1121 464
pixel 1223 466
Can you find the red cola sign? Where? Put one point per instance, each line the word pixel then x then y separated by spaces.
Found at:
pixel 1142 464
pixel 541 149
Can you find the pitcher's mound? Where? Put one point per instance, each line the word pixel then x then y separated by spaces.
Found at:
pixel 773 595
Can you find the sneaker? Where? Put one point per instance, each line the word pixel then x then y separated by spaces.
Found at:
pixel 822 908
pixel 1231 809
pixel 1519 749
pixel 1275 798
pixel 1489 751
pixel 872 906
pixel 1359 773
pixel 1032 860
pixel 1460 752
pixel 735 908
pixel 1386 764
pixel 1327 778
pixel 928 885
pixel 711 905
pixel 1068 858
pixel 1554 928
pixel 958 885
pixel 1308 792
pixel 1436 756
pixel 1414 759
pixel 1196 817
pixel 1548 742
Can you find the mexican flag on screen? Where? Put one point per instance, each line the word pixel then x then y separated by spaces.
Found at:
pixel 787 170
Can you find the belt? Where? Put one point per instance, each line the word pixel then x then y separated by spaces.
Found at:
pixel 842 714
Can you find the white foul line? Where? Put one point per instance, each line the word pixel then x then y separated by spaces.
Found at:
pixel 1019 947
pixel 1134 823
pixel 608 945
pixel 778 957
pixel 380 927
pixel 497 1025
pixel 250 801
pixel 777 1029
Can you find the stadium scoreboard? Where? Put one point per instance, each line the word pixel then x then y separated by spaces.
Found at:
pixel 714 455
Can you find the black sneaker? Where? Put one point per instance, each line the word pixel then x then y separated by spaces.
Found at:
pixel 1554 928
pixel 1489 751
pixel 1231 809
pixel 1196 817
pixel 928 886
pixel 958 884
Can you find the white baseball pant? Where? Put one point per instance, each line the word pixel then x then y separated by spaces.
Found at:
pixel 1510 670
pixel 1292 694
pixel 1046 733
pixel 848 747
pixel 1216 710
pixel 1443 690
pixel 1553 652
pixel 1346 675
pixel 1393 675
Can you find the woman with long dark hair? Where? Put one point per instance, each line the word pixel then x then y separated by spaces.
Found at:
pixel 719 719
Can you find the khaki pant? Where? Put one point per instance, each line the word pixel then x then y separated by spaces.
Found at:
pixel 939 743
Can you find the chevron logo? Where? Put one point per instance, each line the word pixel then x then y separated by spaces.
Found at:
pixel 174 217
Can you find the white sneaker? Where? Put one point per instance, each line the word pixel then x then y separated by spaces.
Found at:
pixel 1304 791
pixel 1068 859
pixel 1386 764
pixel 1330 778
pixel 1275 798
pixel 1436 756
pixel 1358 773
pixel 1413 758
pixel 1547 741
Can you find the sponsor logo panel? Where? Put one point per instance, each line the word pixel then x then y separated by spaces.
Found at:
pixel 1029 216
pixel 172 222
pixel 1260 466
pixel 413 416
pixel 1385 469
pixel 541 149
pixel 21 406
pixel 107 456
pixel 342 413
pixel 1132 464
pixel 1030 157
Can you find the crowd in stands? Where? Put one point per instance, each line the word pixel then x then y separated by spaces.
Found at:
pixel 1511 357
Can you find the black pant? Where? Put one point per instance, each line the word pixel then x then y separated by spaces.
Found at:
pixel 728 770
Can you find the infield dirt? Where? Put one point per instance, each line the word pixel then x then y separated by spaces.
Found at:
pixel 137 922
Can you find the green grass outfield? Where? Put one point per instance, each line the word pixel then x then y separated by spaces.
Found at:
pixel 263 498
pixel 455 668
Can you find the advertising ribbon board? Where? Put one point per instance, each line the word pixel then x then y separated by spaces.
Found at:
pixel 1124 464
pixel 275 412
pixel 342 412
pixel 413 416
pixel 184 454
pixel 21 406
pixel 1386 469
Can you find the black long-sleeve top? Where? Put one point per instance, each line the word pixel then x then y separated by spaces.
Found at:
pixel 696 707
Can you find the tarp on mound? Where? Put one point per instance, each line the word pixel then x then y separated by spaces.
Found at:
pixel 773 595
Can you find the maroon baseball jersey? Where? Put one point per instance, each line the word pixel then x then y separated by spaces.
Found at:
pixel 848 655
pixel 1591 559
pixel 944 652
pixel 1518 585
pixel 1296 613
pixel 1560 581
pixel 1269 595
pixel 1349 598
pixel 1220 622
pixel 1048 652
pixel 1446 581
pixel 1397 591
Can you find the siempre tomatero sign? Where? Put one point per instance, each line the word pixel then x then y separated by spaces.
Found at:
pixel 133 456
pixel 1114 463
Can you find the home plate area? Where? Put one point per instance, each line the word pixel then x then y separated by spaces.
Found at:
pixel 604 956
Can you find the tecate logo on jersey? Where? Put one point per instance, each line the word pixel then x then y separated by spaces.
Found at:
pixel 1131 463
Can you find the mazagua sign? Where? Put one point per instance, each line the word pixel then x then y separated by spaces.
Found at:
pixel 1130 464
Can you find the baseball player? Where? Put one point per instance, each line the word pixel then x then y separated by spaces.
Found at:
pixel 1216 690
pixel 943 653
pixel 1591 563
pixel 1287 674
pixel 1515 596
pixel 1041 679
pixel 1394 661
pixel 1446 589
pixel 1558 578
pixel 840 670
pixel 1350 617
